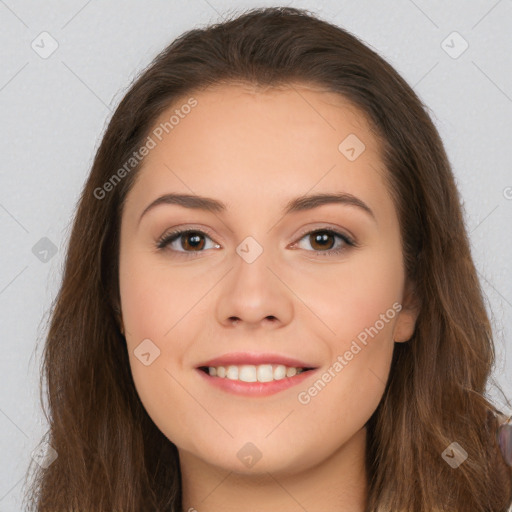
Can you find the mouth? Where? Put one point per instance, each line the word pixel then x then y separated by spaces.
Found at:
pixel 254 380
pixel 254 373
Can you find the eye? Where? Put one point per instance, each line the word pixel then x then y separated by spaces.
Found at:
pixel 321 240
pixel 191 240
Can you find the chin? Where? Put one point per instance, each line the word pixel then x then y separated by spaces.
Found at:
pixel 259 458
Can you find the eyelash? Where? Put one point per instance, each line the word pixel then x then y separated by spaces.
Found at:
pixel 168 238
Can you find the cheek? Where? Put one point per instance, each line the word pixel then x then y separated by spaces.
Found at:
pixel 357 304
pixel 354 296
pixel 153 301
pixel 152 298
pixel 360 315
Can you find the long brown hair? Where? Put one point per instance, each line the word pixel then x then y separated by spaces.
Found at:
pixel 111 456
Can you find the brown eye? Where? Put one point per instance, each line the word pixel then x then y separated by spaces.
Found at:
pixel 185 241
pixel 323 241
pixel 192 241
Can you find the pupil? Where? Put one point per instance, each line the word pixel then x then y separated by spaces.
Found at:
pixel 196 240
pixel 321 238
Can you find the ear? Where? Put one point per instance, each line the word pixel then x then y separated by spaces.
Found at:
pixel 406 320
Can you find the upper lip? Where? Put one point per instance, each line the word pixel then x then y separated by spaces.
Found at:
pixel 239 358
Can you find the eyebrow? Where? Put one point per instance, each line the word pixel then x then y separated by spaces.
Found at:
pixel 298 204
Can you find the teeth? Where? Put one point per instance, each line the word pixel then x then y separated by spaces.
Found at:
pixel 232 372
pixel 265 372
pixel 252 373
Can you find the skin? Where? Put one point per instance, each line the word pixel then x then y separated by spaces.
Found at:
pixel 256 149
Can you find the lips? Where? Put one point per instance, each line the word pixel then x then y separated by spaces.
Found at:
pixel 240 358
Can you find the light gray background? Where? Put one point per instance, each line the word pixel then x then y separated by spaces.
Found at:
pixel 54 111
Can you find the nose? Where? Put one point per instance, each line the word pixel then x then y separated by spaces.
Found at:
pixel 254 295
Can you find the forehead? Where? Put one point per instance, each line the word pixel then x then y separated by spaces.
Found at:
pixel 246 145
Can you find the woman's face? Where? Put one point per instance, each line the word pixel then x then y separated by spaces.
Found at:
pixel 257 277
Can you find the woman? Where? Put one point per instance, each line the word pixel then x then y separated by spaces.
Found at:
pixel 325 347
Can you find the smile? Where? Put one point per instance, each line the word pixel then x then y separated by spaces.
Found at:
pixel 252 380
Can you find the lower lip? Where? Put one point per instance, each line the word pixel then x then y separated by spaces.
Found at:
pixel 255 388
